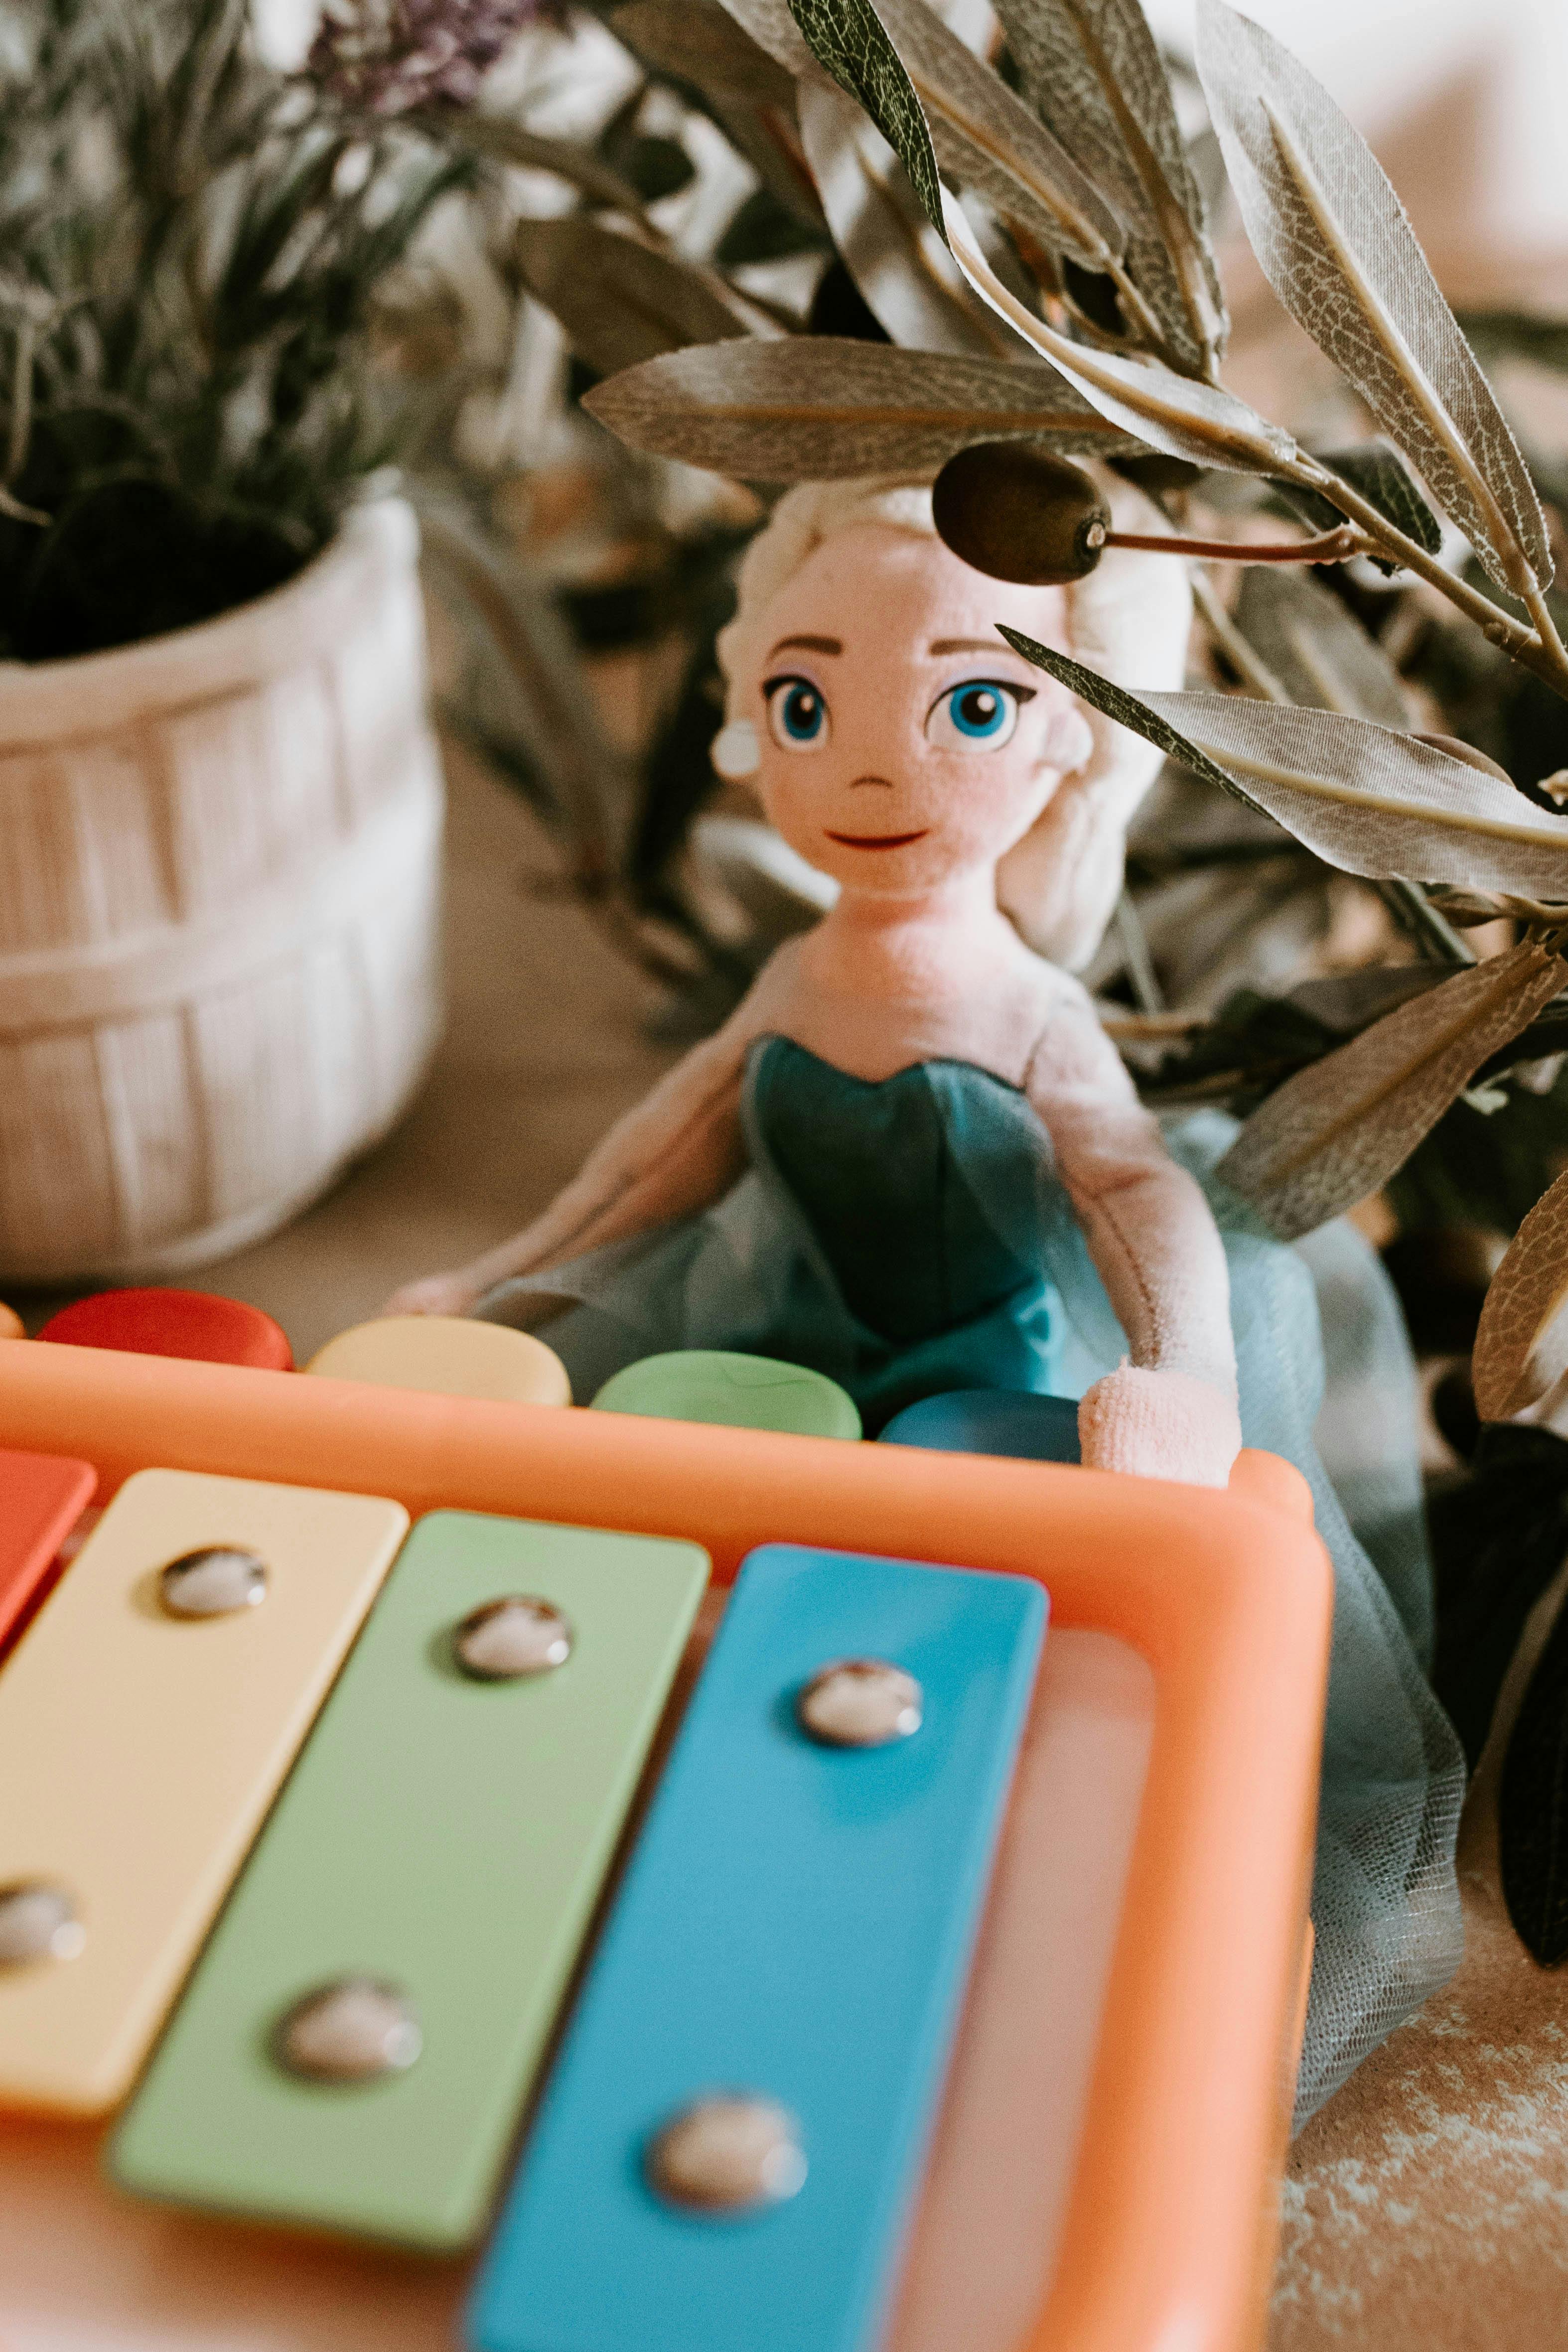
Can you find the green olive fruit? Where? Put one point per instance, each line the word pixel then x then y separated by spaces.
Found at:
pixel 1017 513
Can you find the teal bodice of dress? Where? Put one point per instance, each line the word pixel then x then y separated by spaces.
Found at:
pixel 920 1195
pixel 893 1177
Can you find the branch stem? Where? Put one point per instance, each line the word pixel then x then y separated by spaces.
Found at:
pixel 1544 654
pixel 1545 626
pixel 1327 547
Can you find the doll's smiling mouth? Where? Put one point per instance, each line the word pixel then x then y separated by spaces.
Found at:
pixel 878 840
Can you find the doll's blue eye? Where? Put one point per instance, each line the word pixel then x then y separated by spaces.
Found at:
pixel 978 716
pixel 797 714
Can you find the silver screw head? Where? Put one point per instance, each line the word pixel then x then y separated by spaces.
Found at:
pixel 213 1582
pixel 860 1702
pixel 728 2154
pixel 354 2030
pixel 37 1922
pixel 512 1637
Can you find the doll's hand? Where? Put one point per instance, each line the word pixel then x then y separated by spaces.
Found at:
pixel 435 1294
pixel 1160 1425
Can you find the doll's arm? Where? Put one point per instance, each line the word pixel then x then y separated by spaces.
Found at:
pixel 676 1151
pixel 1171 1412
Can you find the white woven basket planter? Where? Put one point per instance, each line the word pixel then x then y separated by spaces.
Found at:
pixel 219 900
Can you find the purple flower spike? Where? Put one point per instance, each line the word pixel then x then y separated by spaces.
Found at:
pixel 387 57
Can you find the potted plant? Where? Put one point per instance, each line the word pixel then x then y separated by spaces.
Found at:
pixel 219 793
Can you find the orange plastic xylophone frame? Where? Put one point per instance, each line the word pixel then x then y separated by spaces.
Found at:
pixel 1171 2226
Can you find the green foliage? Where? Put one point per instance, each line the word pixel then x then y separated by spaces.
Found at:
pixel 190 245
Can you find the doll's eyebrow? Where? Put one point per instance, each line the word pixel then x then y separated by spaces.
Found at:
pixel 809 645
pixel 966 645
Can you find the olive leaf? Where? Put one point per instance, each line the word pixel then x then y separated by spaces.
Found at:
pixel 1361 797
pixel 620 301
pixel 505 141
pixel 1200 422
pixel 815 408
pixel 1316 652
pixel 850 38
pixel 1374 801
pixel 700 42
pixel 1521 1345
pixel 772 25
pixel 768 139
pixel 1532 1813
pixel 1337 247
pixel 985 138
pixel 907 276
pixel 1338 1129
pixel 1383 481
pixel 1091 70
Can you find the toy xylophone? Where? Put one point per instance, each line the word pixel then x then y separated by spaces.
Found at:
pixel 664 1840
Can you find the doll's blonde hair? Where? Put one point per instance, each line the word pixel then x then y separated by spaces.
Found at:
pixel 1130 620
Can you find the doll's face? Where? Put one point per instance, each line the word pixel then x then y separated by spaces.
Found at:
pixel 902 741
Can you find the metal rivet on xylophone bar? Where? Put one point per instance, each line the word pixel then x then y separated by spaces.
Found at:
pixel 213 1582
pixel 860 1702
pixel 37 1922
pixel 351 2030
pixel 728 2156
pixel 508 1638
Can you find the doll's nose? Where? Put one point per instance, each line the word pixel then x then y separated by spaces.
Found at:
pixel 886 785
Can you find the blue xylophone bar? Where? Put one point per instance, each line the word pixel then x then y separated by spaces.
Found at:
pixel 727 2152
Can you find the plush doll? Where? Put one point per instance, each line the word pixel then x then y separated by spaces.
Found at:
pixel 902 747
pixel 911 1160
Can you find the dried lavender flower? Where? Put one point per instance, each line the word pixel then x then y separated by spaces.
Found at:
pixel 387 57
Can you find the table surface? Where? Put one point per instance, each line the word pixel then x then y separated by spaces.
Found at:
pixel 1427 2206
